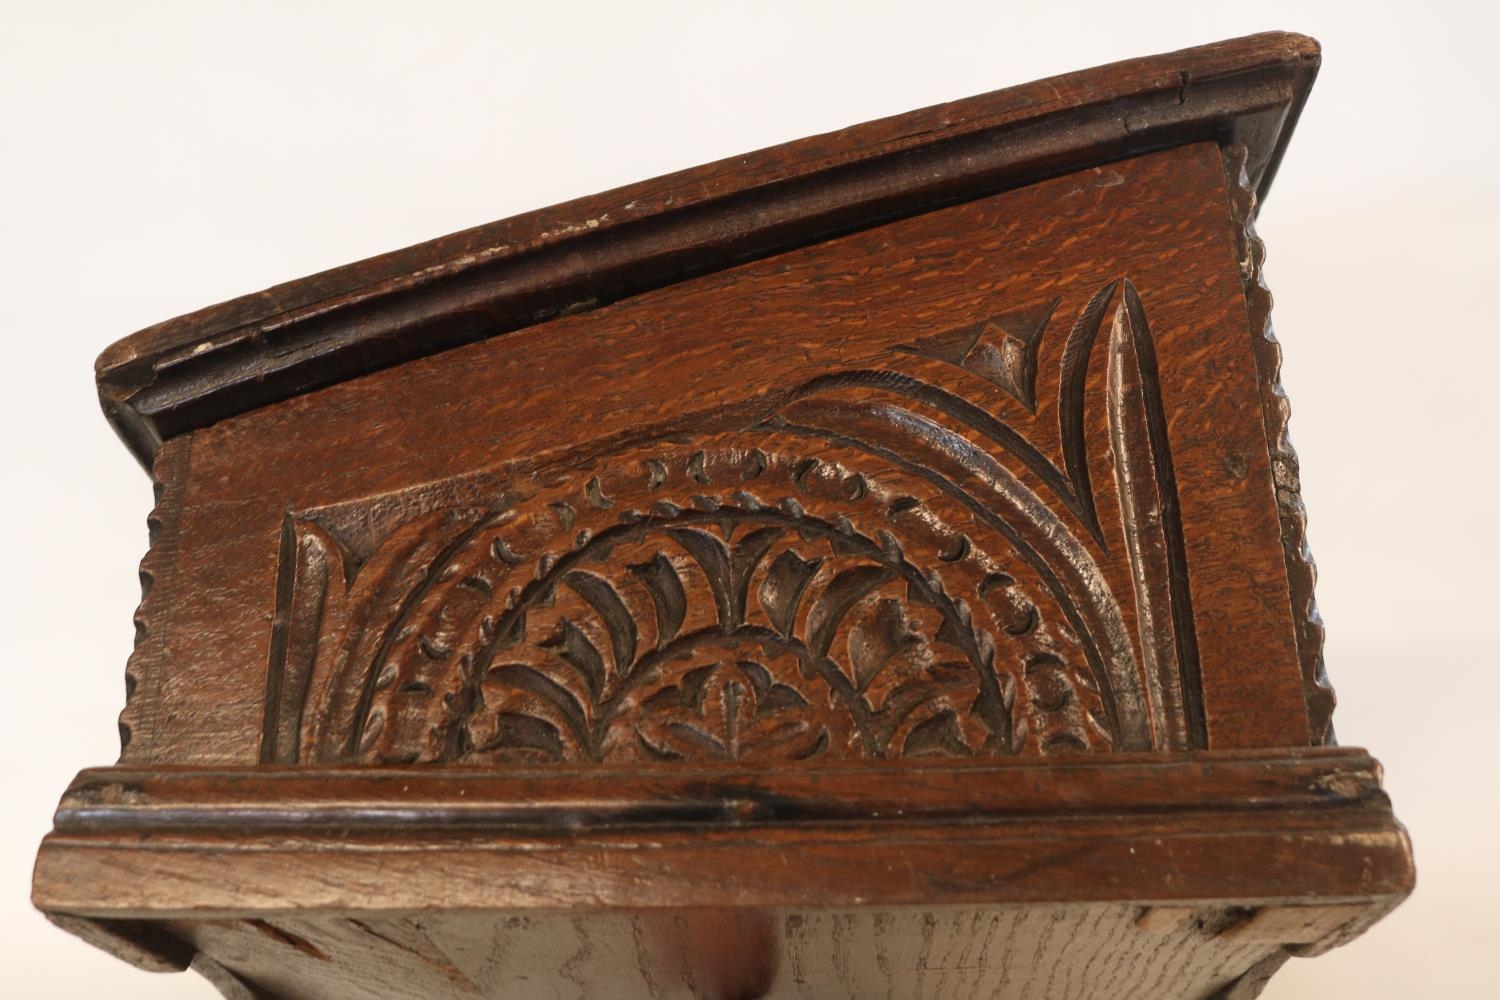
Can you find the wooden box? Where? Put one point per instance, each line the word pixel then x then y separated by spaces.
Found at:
pixel 873 565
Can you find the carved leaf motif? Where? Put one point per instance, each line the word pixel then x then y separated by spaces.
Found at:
pixel 732 710
pixel 938 736
pixel 713 555
pixel 744 694
pixel 667 595
pixel 527 737
pixel 874 644
pixel 543 700
pixel 605 600
pixel 782 589
pixel 575 649
pixel 846 589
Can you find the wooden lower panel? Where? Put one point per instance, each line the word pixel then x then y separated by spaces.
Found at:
pixel 1079 952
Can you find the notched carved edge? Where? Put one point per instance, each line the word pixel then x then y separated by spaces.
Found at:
pixel 168 480
pixel 1301 572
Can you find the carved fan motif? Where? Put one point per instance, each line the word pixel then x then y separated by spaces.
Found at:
pixel 903 593
pixel 740 633
pixel 729 627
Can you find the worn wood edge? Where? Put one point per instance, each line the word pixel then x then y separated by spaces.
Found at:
pixel 1312 827
pixel 200 368
pixel 1253 981
pixel 1301 571
pixel 1342 935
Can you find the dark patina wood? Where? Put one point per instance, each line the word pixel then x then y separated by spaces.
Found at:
pixel 821 573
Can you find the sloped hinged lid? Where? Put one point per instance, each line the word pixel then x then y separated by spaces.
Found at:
pixel 196 369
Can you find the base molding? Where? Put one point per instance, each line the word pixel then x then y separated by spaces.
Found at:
pixel 270 876
pixel 1269 826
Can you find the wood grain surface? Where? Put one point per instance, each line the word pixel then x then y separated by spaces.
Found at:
pixel 1010 953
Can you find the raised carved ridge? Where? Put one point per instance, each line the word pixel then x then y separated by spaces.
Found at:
pixel 856 574
pixel 1301 571
pixel 1153 525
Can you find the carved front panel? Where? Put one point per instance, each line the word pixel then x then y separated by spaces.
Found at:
pixel 857 572
pixel 991 480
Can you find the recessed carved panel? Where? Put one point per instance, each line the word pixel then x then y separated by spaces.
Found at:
pixel 873 566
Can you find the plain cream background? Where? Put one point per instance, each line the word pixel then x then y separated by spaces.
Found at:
pixel 160 157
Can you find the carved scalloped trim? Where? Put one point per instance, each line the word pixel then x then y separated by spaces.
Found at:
pixel 168 478
pixel 1301 572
